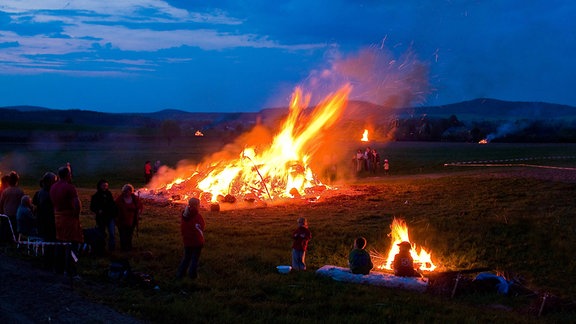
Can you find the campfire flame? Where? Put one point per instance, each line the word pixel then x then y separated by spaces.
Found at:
pixel 365 136
pixel 279 171
pixel 422 259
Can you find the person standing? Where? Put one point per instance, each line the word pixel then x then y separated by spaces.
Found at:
pixel 67 207
pixel 44 211
pixel 359 160
pixel 386 167
pixel 156 167
pixel 9 203
pixel 367 159
pixel 4 183
pixel 128 207
pixel 375 161
pixel 103 206
pixel 301 237
pixel 192 227
pixel 44 208
pixel 147 172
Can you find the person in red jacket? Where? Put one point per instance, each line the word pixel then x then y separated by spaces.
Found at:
pixel 128 208
pixel 301 236
pixel 192 227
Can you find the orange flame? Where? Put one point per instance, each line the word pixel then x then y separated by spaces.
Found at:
pixel 365 136
pixel 400 234
pixel 281 170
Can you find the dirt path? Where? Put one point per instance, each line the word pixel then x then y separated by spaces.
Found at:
pixel 32 295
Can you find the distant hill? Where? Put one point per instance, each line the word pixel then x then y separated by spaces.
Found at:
pixel 485 108
pixel 473 110
pixel 464 121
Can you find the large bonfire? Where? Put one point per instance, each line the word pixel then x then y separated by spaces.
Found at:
pixel 279 171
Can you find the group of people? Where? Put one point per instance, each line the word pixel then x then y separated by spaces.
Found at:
pixel 359 260
pixel 122 212
pixel 369 161
pixel 53 215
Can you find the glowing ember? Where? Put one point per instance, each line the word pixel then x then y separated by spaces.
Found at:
pixel 399 234
pixel 279 171
pixel 198 133
pixel 483 141
pixel 365 136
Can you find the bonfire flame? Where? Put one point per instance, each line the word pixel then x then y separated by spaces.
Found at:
pixel 281 170
pixel 422 259
pixel 365 136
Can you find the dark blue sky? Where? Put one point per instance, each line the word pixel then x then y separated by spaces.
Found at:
pixel 149 55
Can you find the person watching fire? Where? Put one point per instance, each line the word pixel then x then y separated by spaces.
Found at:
pixel 403 264
pixel 129 207
pixel 104 208
pixel 192 226
pixel 359 259
pixel 67 207
pixel 301 236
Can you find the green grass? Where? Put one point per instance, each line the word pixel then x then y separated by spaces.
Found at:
pixel 524 226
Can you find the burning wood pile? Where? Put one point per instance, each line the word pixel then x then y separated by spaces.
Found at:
pixel 282 170
pixel 399 233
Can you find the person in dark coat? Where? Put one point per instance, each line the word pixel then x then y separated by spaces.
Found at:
pixel 26 221
pixel 192 226
pixel 403 264
pixel 44 211
pixel 103 206
pixel 359 259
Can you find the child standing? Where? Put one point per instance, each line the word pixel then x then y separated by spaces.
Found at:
pixel 192 227
pixel 359 259
pixel 386 167
pixel 301 236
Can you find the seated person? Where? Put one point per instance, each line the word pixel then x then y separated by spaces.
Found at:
pixel 403 264
pixel 359 259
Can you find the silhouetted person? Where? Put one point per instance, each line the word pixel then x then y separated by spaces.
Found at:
pixel 67 208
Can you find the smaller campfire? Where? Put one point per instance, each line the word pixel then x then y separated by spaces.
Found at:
pixel 364 136
pixel 422 259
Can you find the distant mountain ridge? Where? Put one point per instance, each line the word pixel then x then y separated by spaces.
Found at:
pixel 477 109
pixel 493 108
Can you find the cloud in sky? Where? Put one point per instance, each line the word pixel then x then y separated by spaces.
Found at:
pixel 148 55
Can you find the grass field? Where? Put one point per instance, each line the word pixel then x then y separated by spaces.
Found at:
pixel 514 219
